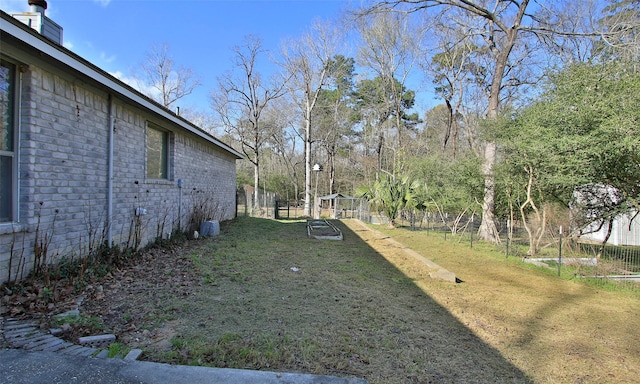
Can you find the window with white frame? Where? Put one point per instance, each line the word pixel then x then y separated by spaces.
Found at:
pixel 8 116
pixel 157 153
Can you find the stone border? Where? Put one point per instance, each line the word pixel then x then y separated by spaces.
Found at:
pixel 25 334
pixel 322 229
pixel 435 271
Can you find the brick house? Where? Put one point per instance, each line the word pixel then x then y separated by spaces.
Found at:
pixel 86 160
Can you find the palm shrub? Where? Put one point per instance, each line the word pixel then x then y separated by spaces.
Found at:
pixel 390 195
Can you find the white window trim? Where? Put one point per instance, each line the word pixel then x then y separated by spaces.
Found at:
pixel 168 153
pixel 13 224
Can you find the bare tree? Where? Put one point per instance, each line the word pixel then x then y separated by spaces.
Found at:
pixel 576 21
pixel 498 28
pixel 455 72
pixel 505 35
pixel 307 60
pixel 620 30
pixel 335 116
pixel 240 100
pixel 285 139
pixel 203 119
pixel 166 82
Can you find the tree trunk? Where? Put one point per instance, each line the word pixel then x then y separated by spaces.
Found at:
pixel 256 185
pixel 296 189
pixel 488 230
pixel 447 132
pixel 533 244
pixel 307 166
pixel 379 155
pixel 332 171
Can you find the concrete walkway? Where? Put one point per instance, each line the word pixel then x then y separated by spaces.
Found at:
pixel 38 357
pixel 25 367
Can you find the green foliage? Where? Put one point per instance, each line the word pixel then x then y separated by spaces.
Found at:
pixel 391 194
pixel 46 294
pixel 93 323
pixel 435 183
pixel 449 185
pixel 281 184
pixel 376 98
pixel 583 131
pixel 244 176
pixel 118 349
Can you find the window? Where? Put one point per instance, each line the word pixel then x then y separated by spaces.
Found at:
pixel 7 137
pixel 157 153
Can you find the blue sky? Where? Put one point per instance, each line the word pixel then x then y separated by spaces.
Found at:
pixel 115 35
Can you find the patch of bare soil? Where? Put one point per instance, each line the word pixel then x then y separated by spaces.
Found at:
pixel 124 302
pixel 127 301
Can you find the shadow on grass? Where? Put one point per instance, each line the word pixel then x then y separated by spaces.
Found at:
pixel 281 301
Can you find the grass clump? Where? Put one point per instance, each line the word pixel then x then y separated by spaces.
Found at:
pixel 92 323
pixel 118 350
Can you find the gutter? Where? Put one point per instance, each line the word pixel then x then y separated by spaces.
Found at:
pixel 75 62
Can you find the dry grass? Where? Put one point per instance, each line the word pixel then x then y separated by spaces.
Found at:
pixel 554 330
pixel 361 307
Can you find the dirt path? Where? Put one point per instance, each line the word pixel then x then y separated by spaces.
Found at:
pixel 554 330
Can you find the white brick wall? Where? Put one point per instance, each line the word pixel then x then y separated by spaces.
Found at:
pixel 63 172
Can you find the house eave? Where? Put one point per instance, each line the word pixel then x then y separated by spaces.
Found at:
pixel 69 59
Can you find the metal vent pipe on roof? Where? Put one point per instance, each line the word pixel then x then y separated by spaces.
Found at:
pixel 38 6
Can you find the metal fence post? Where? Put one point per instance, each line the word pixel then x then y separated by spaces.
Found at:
pixel 506 253
pixel 560 252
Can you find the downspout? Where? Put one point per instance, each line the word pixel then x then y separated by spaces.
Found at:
pixel 16 178
pixel 180 184
pixel 110 173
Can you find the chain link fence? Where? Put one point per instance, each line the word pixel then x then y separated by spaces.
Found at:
pixel 336 208
pixel 616 262
pixel 248 205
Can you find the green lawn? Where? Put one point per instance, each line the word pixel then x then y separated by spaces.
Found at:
pixel 267 297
